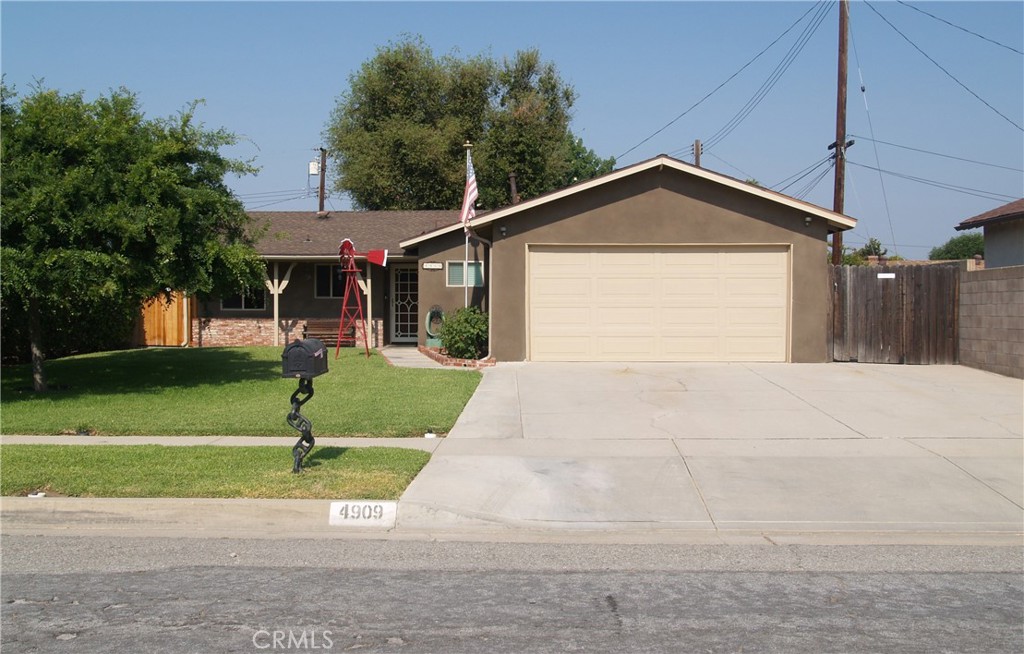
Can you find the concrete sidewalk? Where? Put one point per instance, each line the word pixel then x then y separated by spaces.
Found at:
pixel 836 453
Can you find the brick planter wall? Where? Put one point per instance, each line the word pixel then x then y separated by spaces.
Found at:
pixel 992 320
pixel 229 332
pixel 446 360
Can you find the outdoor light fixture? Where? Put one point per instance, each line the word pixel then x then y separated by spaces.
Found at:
pixel 807 221
pixel 503 230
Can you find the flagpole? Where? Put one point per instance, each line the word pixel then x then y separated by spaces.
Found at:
pixel 466 213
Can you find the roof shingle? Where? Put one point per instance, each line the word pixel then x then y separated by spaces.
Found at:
pixel 1008 211
pixel 305 234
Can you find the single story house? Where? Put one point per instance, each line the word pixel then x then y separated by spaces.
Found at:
pixel 658 261
pixel 1004 234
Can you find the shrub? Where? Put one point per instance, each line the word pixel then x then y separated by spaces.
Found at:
pixel 959 247
pixel 464 334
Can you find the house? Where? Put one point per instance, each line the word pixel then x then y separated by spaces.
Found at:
pixel 304 284
pixel 1004 234
pixel 658 261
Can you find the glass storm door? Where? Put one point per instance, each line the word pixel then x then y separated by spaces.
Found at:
pixel 404 304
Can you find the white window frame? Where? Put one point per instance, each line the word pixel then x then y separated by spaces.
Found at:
pixel 459 264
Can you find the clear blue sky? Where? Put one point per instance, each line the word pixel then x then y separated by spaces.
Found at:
pixel 272 72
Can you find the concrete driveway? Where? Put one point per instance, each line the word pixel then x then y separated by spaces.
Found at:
pixel 731 449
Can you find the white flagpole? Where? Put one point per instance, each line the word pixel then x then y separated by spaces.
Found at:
pixel 465 228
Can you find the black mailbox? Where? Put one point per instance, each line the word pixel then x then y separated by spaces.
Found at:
pixel 305 359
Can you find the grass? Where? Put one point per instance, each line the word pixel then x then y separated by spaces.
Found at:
pixel 207 471
pixel 230 392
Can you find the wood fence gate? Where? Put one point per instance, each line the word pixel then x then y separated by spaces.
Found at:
pixel 894 314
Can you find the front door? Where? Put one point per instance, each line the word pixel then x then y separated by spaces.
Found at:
pixel 404 304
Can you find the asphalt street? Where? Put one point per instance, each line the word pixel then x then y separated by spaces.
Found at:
pixel 100 594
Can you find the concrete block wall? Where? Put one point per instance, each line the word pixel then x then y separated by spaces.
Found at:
pixel 992 320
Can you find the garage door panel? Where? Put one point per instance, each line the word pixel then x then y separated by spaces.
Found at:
pixel 624 348
pixel 614 320
pixel 659 303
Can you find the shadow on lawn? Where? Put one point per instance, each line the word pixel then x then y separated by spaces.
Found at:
pixel 140 371
pixel 321 455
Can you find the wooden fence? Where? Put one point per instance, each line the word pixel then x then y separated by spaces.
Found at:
pixel 894 314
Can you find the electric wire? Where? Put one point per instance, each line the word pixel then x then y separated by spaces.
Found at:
pixel 737 169
pixel 717 88
pixel 811 185
pixel 766 87
pixel 939 154
pixel 799 175
pixel 988 195
pixel 871 128
pixel 962 29
pixel 939 66
pixel 269 204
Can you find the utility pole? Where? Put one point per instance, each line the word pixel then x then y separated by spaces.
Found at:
pixel 840 144
pixel 697 149
pixel 323 178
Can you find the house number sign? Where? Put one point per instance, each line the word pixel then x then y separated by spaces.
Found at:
pixel 363 514
pixel 433 265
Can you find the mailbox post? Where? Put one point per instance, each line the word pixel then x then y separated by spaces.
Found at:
pixel 304 359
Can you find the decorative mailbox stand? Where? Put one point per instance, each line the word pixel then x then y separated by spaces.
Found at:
pixel 305 359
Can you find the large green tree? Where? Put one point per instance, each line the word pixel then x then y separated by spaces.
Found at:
pixel 101 208
pixel 396 135
pixel 964 246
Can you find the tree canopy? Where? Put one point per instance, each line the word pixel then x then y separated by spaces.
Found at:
pixel 396 135
pixel 964 246
pixel 102 208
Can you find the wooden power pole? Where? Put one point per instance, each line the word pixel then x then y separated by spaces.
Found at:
pixel 840 144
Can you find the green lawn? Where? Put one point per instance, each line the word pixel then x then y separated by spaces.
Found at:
pixel 369 473
pixel 231 392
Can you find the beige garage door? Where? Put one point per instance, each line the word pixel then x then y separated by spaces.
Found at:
pixel 658 303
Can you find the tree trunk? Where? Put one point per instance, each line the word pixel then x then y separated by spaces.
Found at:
pixel 35 337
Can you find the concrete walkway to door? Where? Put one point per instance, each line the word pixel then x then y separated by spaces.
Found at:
pixel 732 451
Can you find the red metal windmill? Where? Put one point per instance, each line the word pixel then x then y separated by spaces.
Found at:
pixel 352 317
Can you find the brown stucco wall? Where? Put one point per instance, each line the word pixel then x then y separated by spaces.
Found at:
pixel 432 283
pixel 651 207
pixel 992 320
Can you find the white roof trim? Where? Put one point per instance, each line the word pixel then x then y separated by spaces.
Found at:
pixel 835 220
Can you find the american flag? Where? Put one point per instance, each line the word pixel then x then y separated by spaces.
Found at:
pixel 469 199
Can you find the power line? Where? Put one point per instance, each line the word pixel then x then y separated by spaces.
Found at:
pixel 939 66
pixel 962 29
pixel 717 88
pixel 810 186
pixel 796 177
pixel 769 84
pixel 260 194
pixel 742 172
pixel 874 144
pixel 939 154
pixel 297 197
pixel 988 195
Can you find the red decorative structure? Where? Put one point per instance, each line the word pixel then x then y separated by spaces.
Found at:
pixel 352 317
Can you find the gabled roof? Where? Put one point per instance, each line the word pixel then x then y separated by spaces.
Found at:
pixel 305 234
pixel 836 221
pixel 1012 211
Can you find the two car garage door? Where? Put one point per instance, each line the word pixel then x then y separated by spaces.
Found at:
pixel 658 303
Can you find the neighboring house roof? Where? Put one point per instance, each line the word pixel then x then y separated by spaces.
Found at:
pixel 305 234
pixel 1012 211
pixel 836 221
